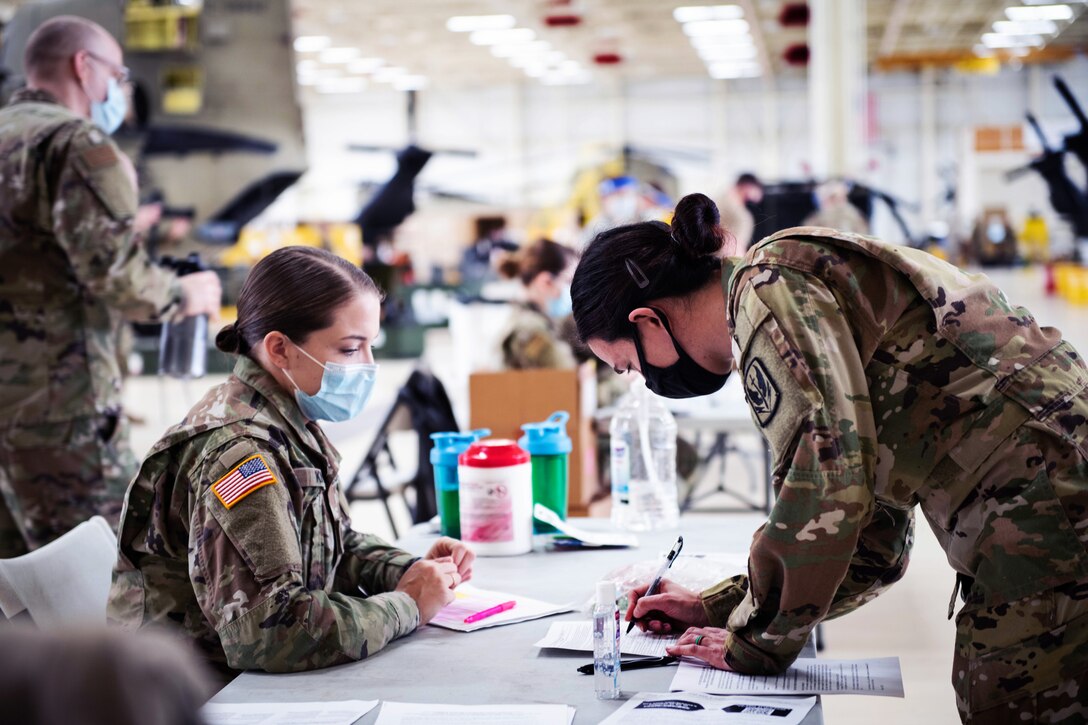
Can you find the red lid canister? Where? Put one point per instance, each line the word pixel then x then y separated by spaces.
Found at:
pixel 493 453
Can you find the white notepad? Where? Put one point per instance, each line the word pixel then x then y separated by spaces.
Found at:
pixel 471 600
pixel 578 636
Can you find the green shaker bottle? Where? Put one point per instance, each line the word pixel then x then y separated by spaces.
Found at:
pixel 549 446
pixel 447 447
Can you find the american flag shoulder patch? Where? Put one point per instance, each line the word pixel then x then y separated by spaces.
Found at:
pixel 242 480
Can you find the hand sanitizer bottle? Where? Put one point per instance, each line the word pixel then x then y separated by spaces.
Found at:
pixel 606 643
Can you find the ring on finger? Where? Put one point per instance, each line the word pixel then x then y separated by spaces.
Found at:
pixel 699 638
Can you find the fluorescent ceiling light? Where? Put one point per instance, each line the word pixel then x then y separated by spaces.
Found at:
pixel 306 65
pixel 703 28
pixel 365 65
pixel 1040 12
pixel 342 85
pixel 511 50
pixel 470 23
pixel 1026 27
pixel 389 73
pixel 717 41
pixel 726 52
pixel 525 61
pixel 725 71
pixel 536 71
pixel 410 83
pixel 997 40
pixel 496 37
pixel 339 55
pixel 312 43
pixel 688 14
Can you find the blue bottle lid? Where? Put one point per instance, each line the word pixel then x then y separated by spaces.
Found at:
pixel 448 446
pixel 548 438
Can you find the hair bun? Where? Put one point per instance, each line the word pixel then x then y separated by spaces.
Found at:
pixel 228 340
pixel 696 226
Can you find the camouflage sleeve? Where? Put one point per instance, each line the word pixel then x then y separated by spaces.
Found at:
pixel 369 563
pixel 247 563
pixel 805 383
pixel 92 219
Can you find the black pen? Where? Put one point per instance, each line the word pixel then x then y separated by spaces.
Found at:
pixel 639 664
pixel 669 559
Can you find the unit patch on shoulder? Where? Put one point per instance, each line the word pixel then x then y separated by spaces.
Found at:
pixel 99 157
pixel 242 480
pixel 761 391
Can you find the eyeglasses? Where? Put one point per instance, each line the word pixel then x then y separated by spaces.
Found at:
pixel 120 72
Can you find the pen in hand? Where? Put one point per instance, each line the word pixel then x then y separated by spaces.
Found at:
pixel 484 614
pixel 669 559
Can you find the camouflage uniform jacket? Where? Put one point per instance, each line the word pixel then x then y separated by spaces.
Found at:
pixel 531 342
pixel 276 580
pixel 69 266
pixel 882 378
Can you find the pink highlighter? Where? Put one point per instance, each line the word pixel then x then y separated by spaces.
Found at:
pixel 497 609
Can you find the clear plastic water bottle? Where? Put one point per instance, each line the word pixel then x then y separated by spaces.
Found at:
pixel 606 643
pixel 643 463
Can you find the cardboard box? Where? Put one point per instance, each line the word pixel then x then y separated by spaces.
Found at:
pixel 503 401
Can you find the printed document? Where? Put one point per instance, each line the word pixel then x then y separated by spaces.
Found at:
pixel 578 636
pixel 588 538
pixel 880 676
pixel 406 713
pixel 653 708
pixel 287 713
pixel 469 600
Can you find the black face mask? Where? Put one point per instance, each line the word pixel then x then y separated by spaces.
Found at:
pixel 683 379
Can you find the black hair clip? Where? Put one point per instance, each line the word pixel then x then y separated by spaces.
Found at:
pixel 637 274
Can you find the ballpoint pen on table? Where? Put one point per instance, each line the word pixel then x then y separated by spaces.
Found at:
pixel 484 614
pixel 669 559
pixel 639 664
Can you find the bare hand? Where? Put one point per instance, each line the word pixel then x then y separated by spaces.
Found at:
pixel 147 216
pixel 201 294
pixel 430 584
pixel 710 649
pixel 671 609
pixel 453 550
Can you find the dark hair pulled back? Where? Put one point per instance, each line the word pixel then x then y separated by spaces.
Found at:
pixel 296 291
pixel 632 265
pixel 543 255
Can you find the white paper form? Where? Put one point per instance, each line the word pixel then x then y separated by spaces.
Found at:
pixel 678 708
pixel 343 712
pixel 470 600
pixel 578 636
pixel 406 713
pixel 588 538
pixel 879 676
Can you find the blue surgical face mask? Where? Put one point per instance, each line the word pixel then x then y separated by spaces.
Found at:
pixel 345 389
pixel 561 306
pixel 110 113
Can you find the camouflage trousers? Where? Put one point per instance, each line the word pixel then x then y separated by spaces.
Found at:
pixel 1025 661
pixel 55 476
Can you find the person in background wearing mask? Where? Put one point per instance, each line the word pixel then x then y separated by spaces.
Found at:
pixel 735 209
pixel 883 379
pixel 70 270
pixel 533 337
pixel 236 529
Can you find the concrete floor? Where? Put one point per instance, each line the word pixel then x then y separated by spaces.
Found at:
pixel 908 621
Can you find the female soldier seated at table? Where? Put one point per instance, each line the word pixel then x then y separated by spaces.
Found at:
pixel 533 338
pixel 235 528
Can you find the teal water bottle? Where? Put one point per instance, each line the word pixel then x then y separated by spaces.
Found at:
pixel 447 447
pixel 549 446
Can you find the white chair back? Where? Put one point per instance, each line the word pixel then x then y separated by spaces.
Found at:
pixel 64 583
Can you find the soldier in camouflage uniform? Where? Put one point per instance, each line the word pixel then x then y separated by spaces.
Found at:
pixel 236 529
pixel 532 338
pixel 69 271
pixel 882 378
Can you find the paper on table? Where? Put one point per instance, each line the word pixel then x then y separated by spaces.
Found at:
pixel 407 713
pixel 879 676
pixel 696 707
pixel 470 600
pixel 588 538
pixel 578 636
pixel 343 712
